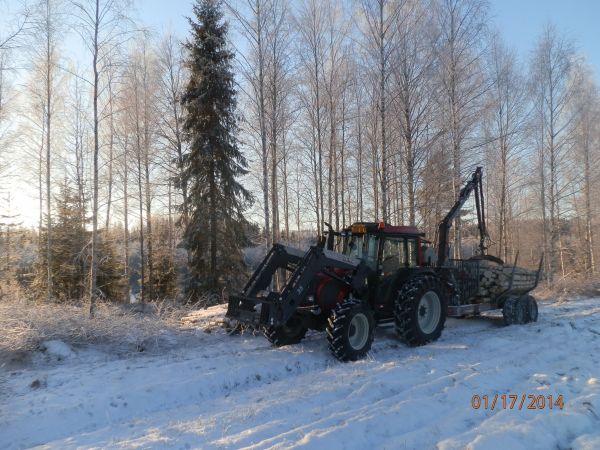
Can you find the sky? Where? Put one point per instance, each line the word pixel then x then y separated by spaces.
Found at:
pixel 519 21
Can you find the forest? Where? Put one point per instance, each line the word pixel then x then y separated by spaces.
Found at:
pixel 345 111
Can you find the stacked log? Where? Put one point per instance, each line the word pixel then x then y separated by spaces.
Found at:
pixel 495 278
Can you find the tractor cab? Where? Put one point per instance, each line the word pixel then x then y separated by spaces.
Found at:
pixel 393 253
pixel 383 247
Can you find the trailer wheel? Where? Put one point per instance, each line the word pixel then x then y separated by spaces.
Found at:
pixel 420 310
pixel 531 308
pixel 350 330
pixel 514 311
pixel 290 333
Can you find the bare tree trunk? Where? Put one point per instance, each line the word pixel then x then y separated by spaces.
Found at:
pixel 111 140
pixel 141 214
pixel 126 295
pixel 40 184
pixel 286 198
pixel 382 101
pixel 148 187
pixel 262 119
pixel 96 94
pixel 148 197
pixel 591 264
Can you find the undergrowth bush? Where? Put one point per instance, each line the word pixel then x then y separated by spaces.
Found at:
pixel 25 324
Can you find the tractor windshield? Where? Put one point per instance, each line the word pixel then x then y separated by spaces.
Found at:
pixel 362 246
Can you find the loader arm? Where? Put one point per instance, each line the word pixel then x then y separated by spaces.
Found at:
pixel 277 307
pixel 473 185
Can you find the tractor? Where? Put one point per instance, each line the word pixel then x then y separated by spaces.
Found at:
pixel 383 274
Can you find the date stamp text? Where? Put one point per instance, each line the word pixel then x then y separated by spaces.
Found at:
pixel 517 401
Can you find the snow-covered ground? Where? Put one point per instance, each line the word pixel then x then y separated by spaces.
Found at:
pixel 238 392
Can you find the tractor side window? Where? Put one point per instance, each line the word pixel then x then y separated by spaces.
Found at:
pixel 393 255
pixel 412 252
pixel 354 247
pixel 372 244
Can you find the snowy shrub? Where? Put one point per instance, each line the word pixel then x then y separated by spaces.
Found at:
pixel 25 325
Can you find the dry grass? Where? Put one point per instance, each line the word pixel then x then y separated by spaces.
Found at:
pixel 568 288
pixel 24 325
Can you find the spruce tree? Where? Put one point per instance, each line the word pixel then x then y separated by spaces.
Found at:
pixel 67 254
pixel 214 234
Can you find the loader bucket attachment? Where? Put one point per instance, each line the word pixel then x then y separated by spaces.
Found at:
pixel 260 306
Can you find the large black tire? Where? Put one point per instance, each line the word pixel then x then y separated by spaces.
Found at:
pixel 520 310
pixel 514 311
pixel 350 330
pixel 420 310
pixel 290 333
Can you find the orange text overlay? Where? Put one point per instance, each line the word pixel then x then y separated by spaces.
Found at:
pixel 517 401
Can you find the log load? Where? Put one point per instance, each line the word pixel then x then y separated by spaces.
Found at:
pixel 494 278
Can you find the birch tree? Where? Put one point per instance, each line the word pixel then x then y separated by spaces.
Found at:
pixel 505 125
pixel 379 32
pixel 413 75
pixel 253 22
pixel 551 70
pixel 310 21
pixel 586 103
pixel 172 75
pixel 45 53
pixel 100 25
pixel 462 28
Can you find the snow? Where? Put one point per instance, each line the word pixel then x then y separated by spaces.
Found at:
pixel 56 349
pixel 238 392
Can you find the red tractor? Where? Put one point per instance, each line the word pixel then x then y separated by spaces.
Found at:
pixel 384 274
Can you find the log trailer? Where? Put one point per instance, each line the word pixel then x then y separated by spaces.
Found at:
pixel 384 274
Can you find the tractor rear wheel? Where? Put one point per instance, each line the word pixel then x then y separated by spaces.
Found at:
pixel 290 333
pixel 350 330
pixel 420 310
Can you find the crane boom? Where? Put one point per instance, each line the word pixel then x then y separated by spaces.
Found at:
pixel 474 184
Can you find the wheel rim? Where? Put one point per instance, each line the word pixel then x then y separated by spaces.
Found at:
pixel 429 312
pixel 358 332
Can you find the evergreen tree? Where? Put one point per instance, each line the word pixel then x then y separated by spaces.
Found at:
pixel 70 255
pixel 214 234
pixel 69 239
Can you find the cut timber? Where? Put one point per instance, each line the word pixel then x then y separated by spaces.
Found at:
pixel 495 279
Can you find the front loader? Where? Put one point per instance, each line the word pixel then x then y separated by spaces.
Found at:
pixel 384 274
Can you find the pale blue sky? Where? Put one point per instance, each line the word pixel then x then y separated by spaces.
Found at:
pixel 519 21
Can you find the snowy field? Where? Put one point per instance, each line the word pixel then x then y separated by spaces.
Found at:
pixel 238 392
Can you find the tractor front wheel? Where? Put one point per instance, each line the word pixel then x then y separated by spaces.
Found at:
pixel 290 333
pixel 350 330
pixel 420 310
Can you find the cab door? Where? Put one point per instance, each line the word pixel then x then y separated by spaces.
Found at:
pixel 398 259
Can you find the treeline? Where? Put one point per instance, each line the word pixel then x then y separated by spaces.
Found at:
pixel 100 138
pixel 379 110
pixel 348 110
